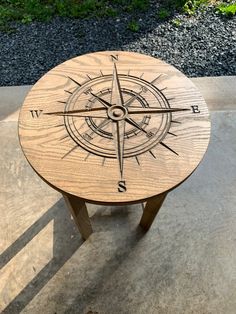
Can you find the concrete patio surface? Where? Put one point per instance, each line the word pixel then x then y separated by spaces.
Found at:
pixel 186 263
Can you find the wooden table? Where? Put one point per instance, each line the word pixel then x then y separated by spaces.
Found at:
pixel 114 128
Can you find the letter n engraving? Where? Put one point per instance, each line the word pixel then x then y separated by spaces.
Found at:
pixel 114 58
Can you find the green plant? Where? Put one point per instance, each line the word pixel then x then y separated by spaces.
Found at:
pixel 7 28
pixel 111 12
pixel 176 22
pixel 34 10
pixel 172 5
pixel 7 13
pixel 133 26
pixel 27 18
pixel 227 9
pixel 132 5
pixel 192 5
pixel 26 11
pixel 139 4
pixel 163 13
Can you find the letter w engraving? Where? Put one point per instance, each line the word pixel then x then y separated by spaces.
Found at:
pixel 36 113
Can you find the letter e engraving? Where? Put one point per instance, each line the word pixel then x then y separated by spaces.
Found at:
pixel 121 186
pixel 195 109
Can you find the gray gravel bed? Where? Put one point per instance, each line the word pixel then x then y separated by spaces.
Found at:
pixel 203 45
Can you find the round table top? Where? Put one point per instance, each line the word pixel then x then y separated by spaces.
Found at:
pixel 114 127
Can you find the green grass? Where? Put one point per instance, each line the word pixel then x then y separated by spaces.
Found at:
pixel 191 6
pixel 138 5
pixel 188 7
pixel 27 11
pixel 227 9
pixel 176 22
pixel 163 13
pixel 133 26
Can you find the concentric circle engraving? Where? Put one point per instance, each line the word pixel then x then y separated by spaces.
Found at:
pixel 101 127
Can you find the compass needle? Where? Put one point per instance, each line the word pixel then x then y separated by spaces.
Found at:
pixel 135 124
pixel 150 110
pixel 85 115
pixel 118 130
pixel 116 94
pixel 101 100
pixel 91 112
pixel 75 111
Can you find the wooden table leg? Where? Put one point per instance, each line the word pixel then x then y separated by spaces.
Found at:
pixel 79 212
pixel 151 209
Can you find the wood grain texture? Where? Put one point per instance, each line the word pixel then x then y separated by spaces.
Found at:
pixel 151 209
pixel 79 212
pixel 70 136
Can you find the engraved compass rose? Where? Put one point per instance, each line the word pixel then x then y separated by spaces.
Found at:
pixel 114 117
